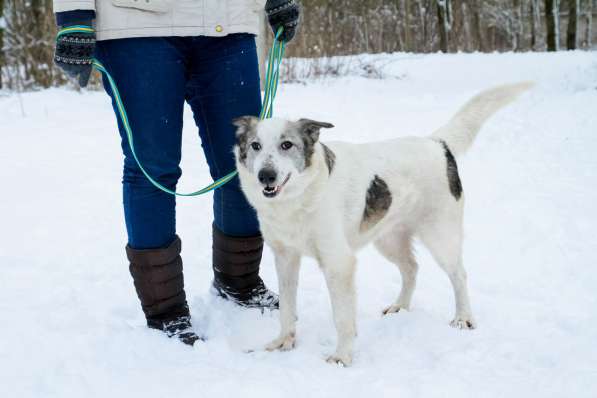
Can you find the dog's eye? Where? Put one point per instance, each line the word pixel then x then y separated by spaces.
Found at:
pixel 256 146
pixel 286 145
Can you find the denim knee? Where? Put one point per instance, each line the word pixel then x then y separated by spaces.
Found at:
pixel 233 215
pixel 149 212
pixel 166 175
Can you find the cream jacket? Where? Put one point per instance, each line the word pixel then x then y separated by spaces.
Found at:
pixel 116 19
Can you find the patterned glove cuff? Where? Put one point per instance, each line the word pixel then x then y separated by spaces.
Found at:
pixel 75 47
pixel 276 6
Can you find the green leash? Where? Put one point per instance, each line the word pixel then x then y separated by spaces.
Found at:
pixel 272 74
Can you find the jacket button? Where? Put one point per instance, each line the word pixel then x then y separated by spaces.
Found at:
pixel 219 28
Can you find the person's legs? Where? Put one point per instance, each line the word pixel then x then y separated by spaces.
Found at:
pixel 151 77
pixel 223 85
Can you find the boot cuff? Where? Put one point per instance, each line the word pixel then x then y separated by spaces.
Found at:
pixel 236 244
pixel 154 257
pixel 236 256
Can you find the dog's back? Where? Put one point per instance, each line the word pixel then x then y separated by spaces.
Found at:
pixel 421 173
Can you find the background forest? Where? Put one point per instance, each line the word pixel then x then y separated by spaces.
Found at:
pixel 343 27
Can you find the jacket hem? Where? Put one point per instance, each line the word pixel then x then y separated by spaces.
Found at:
pixel 71 5
pixel 162 31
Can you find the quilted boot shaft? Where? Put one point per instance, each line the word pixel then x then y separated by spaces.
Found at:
pixel 236 263
pixel 157 274
pixel 158 278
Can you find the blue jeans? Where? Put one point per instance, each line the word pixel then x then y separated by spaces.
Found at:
pixel 219 78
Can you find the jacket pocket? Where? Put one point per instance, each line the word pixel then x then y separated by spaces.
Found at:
pixel 145 5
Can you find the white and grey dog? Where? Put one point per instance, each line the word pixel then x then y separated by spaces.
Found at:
pixel 328 200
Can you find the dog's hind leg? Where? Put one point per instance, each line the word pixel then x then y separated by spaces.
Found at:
pixel 396 247
pixel 287 268
pixel 444 240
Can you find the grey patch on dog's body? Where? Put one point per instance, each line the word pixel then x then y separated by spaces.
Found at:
pixel 377 203
pixel 452 172
pixel 330 157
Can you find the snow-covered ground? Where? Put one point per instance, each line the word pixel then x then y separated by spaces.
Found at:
pixel 70 322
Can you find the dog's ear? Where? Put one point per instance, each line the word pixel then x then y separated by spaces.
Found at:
pixel 311 128
pixel 244 124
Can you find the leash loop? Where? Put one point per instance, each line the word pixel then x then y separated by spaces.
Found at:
pixel 272 75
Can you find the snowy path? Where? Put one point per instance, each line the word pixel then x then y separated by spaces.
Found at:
pixel 70 323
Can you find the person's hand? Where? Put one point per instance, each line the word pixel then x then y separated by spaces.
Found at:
pixel 74 54
pixel 285 14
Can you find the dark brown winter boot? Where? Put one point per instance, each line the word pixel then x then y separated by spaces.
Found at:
pixel 157 274
pixel 236 271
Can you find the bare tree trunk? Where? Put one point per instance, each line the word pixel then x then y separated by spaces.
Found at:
pixel 443 40
pixel 408 45
pixel 477 14
pixel 521 22
pixel 516 25
pixel 2 58
pixel 572 37
pixel 466 26
pixel 444 17
pixel 552 17
pixel 588 24
pixel 422 10
pixel 535 23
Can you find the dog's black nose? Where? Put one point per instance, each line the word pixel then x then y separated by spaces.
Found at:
pixel 267 176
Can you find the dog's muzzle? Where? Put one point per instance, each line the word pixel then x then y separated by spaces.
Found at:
pixel 271 191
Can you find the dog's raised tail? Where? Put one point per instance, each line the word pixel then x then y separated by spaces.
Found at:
pixel 460 132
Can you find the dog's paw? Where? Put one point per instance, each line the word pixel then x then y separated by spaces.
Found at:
pixel 393 309
pixel 282 343
pixel 463 323
pixel 343 361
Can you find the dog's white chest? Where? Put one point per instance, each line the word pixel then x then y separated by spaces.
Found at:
pixel 295 232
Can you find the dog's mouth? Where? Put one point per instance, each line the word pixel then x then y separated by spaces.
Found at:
pixel 273 191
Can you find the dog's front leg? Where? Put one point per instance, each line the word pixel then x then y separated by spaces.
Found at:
pixel 287 268
pixel 339 275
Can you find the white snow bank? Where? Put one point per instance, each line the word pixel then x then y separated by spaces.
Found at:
pixel 70 322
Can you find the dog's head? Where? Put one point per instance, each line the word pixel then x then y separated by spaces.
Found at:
pixel 276 153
